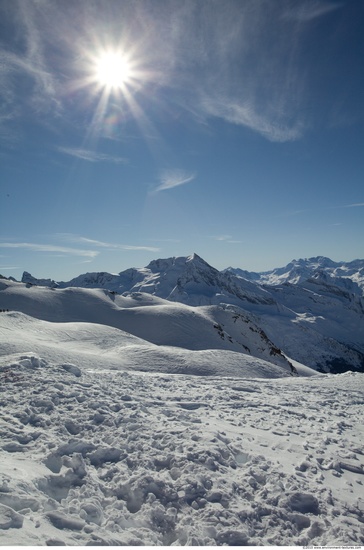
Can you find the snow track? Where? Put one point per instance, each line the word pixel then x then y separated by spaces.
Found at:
pixel 107 457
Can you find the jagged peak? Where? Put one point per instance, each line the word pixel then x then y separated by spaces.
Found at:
pixel 197 260
pixel 29 279
pixel 163 264
pixel 193 266
pixel 322 261
pixel 194 257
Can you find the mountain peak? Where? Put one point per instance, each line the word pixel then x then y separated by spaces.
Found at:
pixel 194 257
pixel 29 279
pixel 306 293
pixel 176 262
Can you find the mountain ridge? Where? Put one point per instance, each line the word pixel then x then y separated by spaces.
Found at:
pixel 294 272
pixel 300 270
pixel 312 309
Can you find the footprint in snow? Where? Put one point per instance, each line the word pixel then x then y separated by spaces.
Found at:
pixel 191 406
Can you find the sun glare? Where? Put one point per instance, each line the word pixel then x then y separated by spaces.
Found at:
pixel 113 70
pixel 114 75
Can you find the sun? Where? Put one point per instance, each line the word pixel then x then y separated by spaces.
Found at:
pixel 113 70
pixel 114 77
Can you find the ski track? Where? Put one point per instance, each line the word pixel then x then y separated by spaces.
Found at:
pixel 122 458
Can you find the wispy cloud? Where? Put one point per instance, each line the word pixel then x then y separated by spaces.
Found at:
pixel 341 206
pixel 35 247
pixel 91 156
pixel 355 205
pixel 242 61
pixel 306 11
pixel 135 247
pixel 317 209
pixel 102 244
pixel 166 240
pixel 289 213
pixel 226 238
pixel 244 114
pixel 28 85
pixel 70 237
pixel 244 65
pixel 174 178
pixel 222 237
pixel 31 59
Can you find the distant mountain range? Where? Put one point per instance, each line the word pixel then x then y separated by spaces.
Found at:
pixel 346 275
pixel 311 310
pixel 299 271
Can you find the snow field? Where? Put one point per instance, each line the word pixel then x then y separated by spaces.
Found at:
pixel 131 420
pixel 97 346
pixel 94 456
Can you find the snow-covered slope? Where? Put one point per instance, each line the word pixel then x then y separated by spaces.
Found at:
pixel 148 317
pixel 91 456
pixel 91 345
pixel 312 310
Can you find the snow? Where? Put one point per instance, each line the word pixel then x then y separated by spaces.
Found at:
pixel 131 420
pixel 117 457
pixel 149 318
pixel 85 343
pixel 312 310
pixel 344 274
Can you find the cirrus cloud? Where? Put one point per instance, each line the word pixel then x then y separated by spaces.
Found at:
pixel 102 244
pixel 91 156
pixel 174 178
pixel 36 247
pixel 355 205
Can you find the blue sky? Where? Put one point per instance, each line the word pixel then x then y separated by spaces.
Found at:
pixel 236 131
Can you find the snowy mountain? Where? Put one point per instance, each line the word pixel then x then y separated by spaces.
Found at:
pixel 184 279
pixel 152 319
pixel 311 310
pixel 30 280
pixel 349 275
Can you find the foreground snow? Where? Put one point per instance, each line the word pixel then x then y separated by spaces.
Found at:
pixel 99 456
